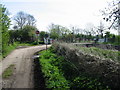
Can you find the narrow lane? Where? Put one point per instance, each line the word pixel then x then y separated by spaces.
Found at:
pixel 22 59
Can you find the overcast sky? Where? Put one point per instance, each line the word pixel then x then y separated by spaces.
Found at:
pixel 63 12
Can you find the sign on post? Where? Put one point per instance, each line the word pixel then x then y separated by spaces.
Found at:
pixel 46 40
pixel 37 32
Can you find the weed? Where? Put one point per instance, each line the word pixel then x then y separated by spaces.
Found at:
pixel 8 72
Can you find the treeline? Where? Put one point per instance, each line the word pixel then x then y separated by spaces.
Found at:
pixel 112 39
pixel 24 28
pixel 71 35
pixel 23 31
pixel 26 34
pixel 5 21
pixel 74 35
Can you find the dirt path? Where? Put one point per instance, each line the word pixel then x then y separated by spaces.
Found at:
pixel 22 59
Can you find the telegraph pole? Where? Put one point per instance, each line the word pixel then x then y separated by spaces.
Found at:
pixel 46 40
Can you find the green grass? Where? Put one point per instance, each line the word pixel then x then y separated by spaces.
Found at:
pixel 86 41
pixel 12 47
pixel 8 72
pixel 115 43
pixel 0 57
pixel 24 44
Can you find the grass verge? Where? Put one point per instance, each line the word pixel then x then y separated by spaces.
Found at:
pixel 8 72
pixel 8 49
pixel 13 46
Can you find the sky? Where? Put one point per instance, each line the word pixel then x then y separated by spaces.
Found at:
pixel 67 13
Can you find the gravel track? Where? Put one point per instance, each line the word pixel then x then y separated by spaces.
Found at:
pixel 23 61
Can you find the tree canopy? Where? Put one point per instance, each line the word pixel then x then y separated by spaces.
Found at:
pixel 5 26
pixel 112 14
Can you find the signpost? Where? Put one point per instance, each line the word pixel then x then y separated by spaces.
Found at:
pixel 46 40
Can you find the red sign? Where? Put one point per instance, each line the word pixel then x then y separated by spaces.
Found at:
pixel 37 32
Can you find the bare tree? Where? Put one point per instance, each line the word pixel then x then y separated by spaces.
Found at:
pixel 23 19
pixel 30 20
pixel 20 19
pixel 90 29
pixel 112 14
pixel 101 29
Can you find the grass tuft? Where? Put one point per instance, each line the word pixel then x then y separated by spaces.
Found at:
pixel 8 72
